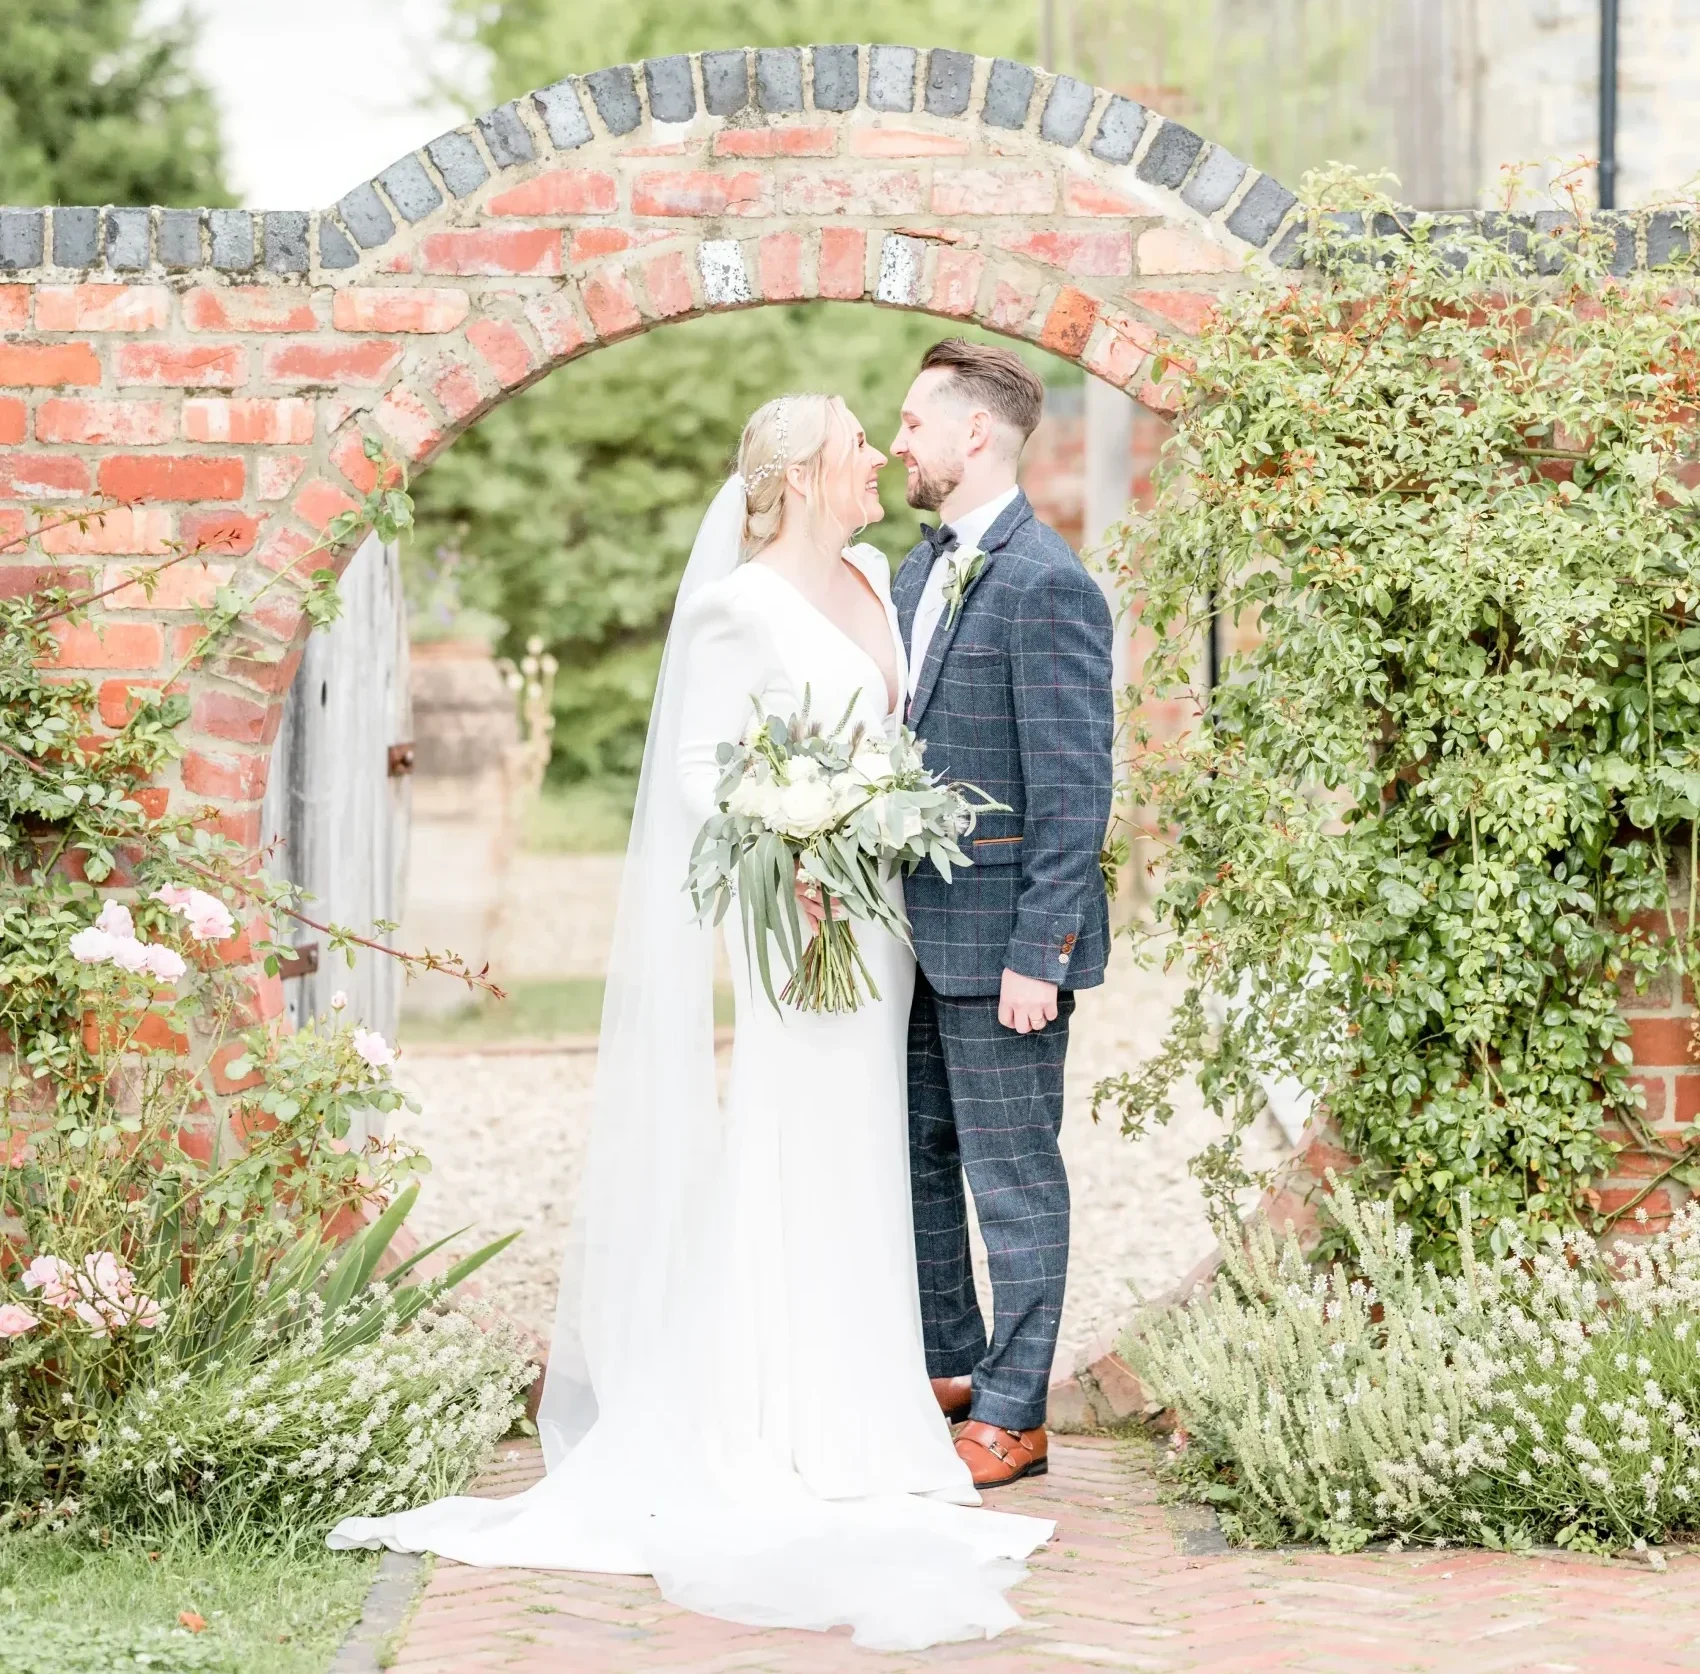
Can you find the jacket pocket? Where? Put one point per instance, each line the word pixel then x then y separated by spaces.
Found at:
pixel 995 850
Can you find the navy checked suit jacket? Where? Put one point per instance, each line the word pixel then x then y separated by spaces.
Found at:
pixel 1015 696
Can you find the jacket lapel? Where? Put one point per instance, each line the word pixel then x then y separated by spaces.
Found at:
pixel 906 589
pixel 1013 516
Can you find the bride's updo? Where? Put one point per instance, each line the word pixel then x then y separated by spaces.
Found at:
pixel 793 430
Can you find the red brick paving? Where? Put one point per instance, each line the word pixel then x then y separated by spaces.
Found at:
pixel 1113 1591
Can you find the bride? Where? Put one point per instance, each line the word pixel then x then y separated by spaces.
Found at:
pixel 737 1401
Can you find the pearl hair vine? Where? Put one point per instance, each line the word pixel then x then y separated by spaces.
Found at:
pixel 782 434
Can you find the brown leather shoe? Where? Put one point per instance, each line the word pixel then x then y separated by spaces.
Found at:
pixel 955 1397
pixel 995 1457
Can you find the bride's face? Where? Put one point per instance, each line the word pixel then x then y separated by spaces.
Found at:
pixel 850 483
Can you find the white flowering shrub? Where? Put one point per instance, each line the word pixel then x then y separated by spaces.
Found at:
pixel 297 1429
pixel 1548 1394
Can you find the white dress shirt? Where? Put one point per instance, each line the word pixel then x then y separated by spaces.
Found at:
pixel 970 529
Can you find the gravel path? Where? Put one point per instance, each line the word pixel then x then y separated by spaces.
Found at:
pixel 506 1132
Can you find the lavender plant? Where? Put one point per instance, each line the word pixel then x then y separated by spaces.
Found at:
pixel 1549 1393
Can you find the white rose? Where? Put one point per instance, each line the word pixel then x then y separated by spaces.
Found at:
pixel 767 802
pixel 745 800
pixel 805 807
pixel 898 821
pixel 848 791
pixel 872 760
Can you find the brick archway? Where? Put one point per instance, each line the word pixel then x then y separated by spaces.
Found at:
pixel 218 371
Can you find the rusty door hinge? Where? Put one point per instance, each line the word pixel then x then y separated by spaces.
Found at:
pixel 401 758
pixel 303 961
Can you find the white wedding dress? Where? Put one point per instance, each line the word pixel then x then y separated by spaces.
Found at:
pixel 737 1400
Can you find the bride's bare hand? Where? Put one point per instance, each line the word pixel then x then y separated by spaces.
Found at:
pixel 808 898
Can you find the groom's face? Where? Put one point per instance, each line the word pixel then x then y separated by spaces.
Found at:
pixel 932 440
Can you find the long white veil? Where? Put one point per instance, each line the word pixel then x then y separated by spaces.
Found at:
pixel 654 1133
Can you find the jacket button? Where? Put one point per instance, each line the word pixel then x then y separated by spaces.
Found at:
pixel 1062 958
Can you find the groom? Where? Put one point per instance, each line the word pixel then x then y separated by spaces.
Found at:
pixel 1009 644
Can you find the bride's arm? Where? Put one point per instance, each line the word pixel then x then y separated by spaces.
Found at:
pixel 727 662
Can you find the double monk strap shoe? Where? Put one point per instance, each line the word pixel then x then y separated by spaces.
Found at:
pixel 996 1457
pixel 955 1397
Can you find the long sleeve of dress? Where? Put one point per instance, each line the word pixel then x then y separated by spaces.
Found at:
pixel 729 665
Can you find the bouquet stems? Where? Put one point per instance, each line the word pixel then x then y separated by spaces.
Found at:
pixel 825 980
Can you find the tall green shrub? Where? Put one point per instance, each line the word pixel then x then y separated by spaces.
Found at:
pixel 1423 833
pixel 99 105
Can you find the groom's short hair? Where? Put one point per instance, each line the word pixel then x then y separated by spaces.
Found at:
pixel 998 378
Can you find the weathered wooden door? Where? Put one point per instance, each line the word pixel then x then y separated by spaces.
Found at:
pixel 337 804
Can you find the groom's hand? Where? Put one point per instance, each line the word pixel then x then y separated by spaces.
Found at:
pixel 1026 1004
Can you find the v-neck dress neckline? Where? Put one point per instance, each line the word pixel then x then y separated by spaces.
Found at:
pixel 893 710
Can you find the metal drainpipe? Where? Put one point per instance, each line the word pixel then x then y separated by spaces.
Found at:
pixel 1608 104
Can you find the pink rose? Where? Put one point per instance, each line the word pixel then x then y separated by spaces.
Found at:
pixel 209 918
pixel 52 1278
pixel 94 1318
pixel 92 946
pixel 174 896
pixel 165 963
pixel 372 1046
pixel 15 1320
pixel 128 954
pixel 115 920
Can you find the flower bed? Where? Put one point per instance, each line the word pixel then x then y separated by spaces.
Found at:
pixel 194 1205
pixel 1550 1393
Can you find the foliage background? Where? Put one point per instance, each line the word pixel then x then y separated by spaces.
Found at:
pixel 98 106
pixel 574 505
pixel 1423 842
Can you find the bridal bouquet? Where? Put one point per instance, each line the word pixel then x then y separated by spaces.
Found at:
pixel 843 809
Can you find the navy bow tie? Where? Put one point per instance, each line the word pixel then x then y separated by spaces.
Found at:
pixel 941 539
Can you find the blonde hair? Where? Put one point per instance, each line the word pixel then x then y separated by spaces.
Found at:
pixel 792 430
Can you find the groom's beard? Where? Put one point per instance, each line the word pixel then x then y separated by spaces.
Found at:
pixel 930 489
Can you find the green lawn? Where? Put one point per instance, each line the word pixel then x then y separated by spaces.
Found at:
pixel 67 1608
pixel 593 817
pixel 543 1008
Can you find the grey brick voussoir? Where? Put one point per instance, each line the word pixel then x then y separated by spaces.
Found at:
pixel 1066 112
pixel 22 237
pixel 1169 155
pixel 335 251
pixel 286 241
pixel 1119 129
pixel 1213 182
pixel 232 240
pixel 76 236
pixel 672 92
pixel 725 81
pixel 1621 225
pixel 615 95
pixel 179 239
pixel 1261 211
pixel 458 161
pixel 1009 95
pixel 891 77
pixel 127 240
pixel 410 188
pixel 563 115
pixel 950 80
pixel 364 214
pixel 779 79
pixel 1667 237
pixel 837 77
pixel 506 135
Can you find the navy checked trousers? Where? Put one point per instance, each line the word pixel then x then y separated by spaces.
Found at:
pixel 988 1102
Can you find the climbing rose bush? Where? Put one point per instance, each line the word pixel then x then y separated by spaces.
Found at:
pixel 1443 809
